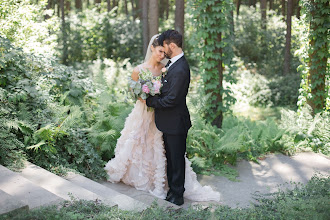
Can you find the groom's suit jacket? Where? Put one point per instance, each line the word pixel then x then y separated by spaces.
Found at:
pixel 171 112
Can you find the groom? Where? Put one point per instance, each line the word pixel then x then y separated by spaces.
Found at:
pixel 171 112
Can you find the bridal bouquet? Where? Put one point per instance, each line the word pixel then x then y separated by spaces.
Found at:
pixel 146 85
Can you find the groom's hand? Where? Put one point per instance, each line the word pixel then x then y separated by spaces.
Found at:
pixel 150 100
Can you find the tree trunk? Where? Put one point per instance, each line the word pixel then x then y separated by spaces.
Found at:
pixel 114 3
pixel 78 5
pixel 298 9
pixel 217 121
pixel 283 8
pixel 134 13
pixel 179 17
pixel 108 5
pixel 254 2
pixel 145 26
pixel 140 6
pixel 271 4
pixel 49 6
pixel 238 4
pixel 287 54
pixel 167 7
pixel 87 3
pixel 317 75
pixel 263 8
pixel 65 47
pixel 153 17
pixel 68 5
pixel 126 7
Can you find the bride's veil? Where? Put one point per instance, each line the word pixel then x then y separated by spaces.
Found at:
pixel 148 54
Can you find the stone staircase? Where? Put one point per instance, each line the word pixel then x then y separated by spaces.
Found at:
pixel 34 187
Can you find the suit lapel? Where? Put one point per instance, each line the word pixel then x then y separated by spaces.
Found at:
pixel 176 63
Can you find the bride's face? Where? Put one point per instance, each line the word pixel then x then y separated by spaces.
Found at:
pixel 158 53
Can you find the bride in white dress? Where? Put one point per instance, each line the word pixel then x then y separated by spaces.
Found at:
pixel 140 155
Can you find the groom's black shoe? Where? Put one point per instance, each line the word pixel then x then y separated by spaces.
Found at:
pixel 176 200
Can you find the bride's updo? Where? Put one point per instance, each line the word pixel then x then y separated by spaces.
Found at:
pixel 155 42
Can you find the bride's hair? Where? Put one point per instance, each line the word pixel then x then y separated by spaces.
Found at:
pixel 154 41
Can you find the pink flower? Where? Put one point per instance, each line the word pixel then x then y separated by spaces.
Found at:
pixel 145 89
pixel 164 70
pixel 157 85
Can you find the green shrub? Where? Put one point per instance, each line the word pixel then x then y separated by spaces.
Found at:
pixel 307 131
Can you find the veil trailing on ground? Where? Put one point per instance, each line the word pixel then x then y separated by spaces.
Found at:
pixel 149 52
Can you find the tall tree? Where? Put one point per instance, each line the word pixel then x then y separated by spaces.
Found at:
pixel 179 16
pixel 287 54
pixel 213 31
pixel 108 5
pixel 263 8
pixel 48 7
pixel 238 4
pixel 140 5
pixel 298 9
pixel 167 7
pixel 145 25
pixel 64 34
pixel 283 8
pixel 134 12
pixel 271 4
pixel 153 17
pixel 318 52
pixel 126 7
pixel 78 5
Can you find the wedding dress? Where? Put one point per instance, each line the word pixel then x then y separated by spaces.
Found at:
pixel 140 159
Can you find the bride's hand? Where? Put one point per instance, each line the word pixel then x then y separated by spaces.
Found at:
pixel 142 100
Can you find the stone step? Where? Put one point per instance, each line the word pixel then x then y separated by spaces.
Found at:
pixel 123 201
pixel 60 186
pixel 9 203
pixel 24 190
pixel 139 195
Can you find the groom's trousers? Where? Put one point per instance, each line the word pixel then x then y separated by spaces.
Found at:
pixel 175 147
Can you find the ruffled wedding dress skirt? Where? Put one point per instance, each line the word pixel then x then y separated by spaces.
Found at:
pixel 140 159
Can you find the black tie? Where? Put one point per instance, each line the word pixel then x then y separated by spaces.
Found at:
pixel 168 63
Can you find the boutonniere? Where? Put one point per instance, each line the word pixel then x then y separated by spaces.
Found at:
pixel 164 71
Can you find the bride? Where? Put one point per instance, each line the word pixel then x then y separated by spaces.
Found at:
pixel 139 155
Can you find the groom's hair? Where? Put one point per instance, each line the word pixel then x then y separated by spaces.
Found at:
pixel 170 36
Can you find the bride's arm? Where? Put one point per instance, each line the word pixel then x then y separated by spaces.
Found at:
pixel 135 77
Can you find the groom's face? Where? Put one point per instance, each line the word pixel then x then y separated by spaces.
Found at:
pixel 168 51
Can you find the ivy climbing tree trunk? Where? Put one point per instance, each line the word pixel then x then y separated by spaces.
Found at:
pixel 213 27
pixel 287 53
pixel 179 16
pixel 318 54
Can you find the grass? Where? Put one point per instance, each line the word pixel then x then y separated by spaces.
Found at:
pixel 310 201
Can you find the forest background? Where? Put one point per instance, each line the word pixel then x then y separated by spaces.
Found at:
pixel 260 78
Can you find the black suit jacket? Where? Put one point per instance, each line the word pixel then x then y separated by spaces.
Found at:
pixel 171 112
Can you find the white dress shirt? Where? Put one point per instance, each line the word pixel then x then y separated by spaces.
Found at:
pixel 174 59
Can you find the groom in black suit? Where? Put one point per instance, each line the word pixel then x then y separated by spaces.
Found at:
pixel 171 112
